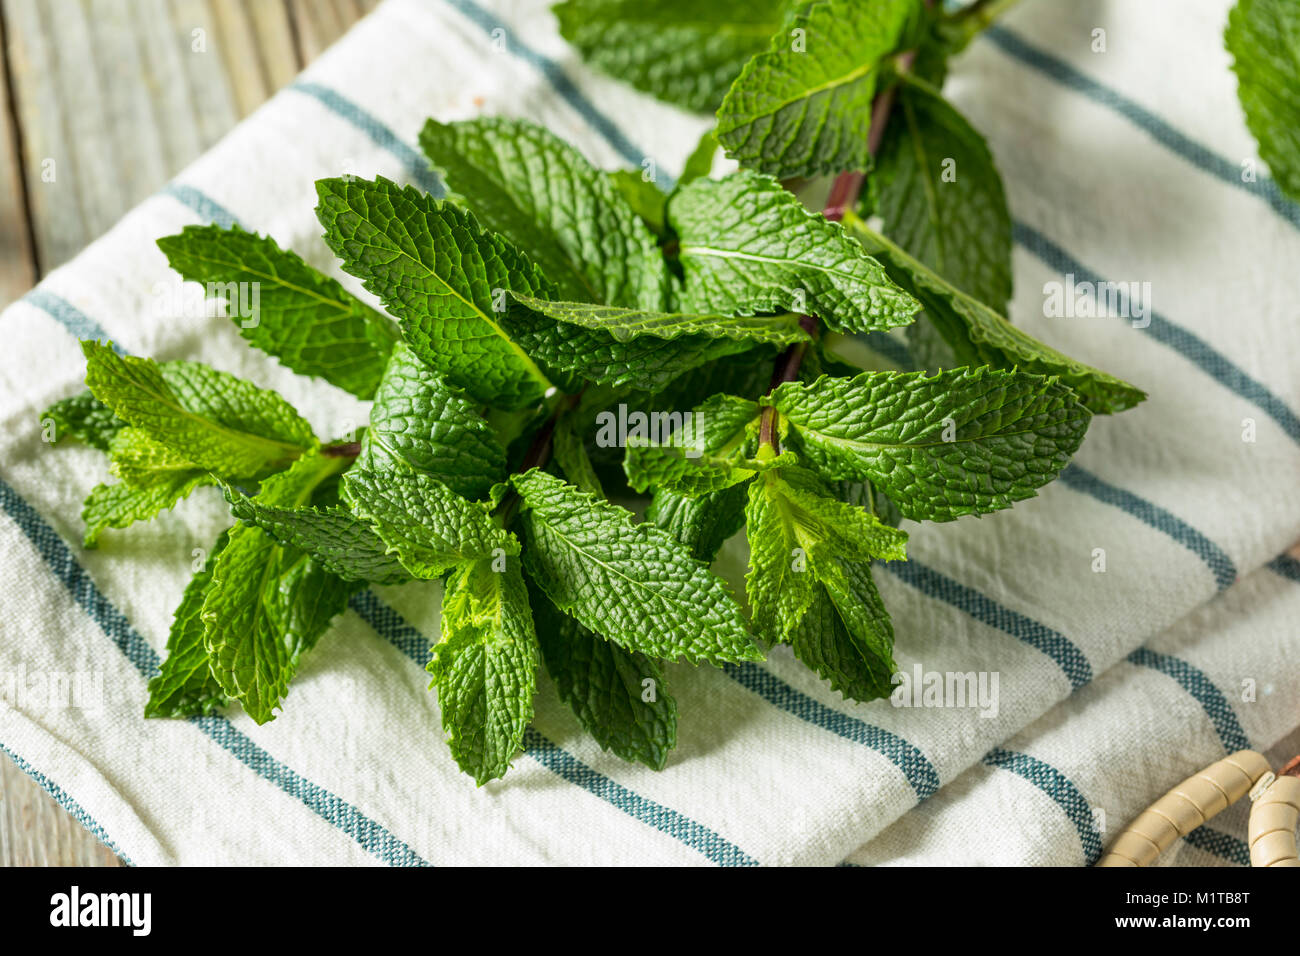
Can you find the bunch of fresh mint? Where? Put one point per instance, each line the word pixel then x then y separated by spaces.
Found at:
pixel 554 321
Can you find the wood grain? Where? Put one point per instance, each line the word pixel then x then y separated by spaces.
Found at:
pixel 104 101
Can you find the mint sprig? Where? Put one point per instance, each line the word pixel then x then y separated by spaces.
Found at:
pixel 549 328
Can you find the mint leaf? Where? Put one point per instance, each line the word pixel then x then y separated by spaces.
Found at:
pixel 339 541
pixel 1263 37
pixel 643 197
pixel 217 421
pixel 120 505
pixel 965 441
pixel 633 583
pixel 747 245
pixel 681 51
pixel 184 686
pixel 700 163
pixel 83 417
pixel 571 455
pixel 803 106
pixel 701 523
pixel 624 325
pixel 980 336
pixel 647 363
pixel 706 450
pixel 846 635
pixel 940 195
pixel 153 479
pixel 423 523
pixel 268 604
pixel 542 195
pixel 305 319
pixel 795 530
pixel 419 423
pixel 485 667
pixel 619 696
pixel 443 275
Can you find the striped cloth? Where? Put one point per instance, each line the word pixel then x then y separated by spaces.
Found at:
pixel 1124 166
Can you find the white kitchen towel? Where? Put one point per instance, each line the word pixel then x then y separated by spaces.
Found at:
pixel 1062 789
pixel 1122 166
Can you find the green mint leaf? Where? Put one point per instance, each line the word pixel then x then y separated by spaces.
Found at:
pixel 443 276
pixel 700 163
pixel 424 524
pixel 704 450
pixel 965 441
pixel 619 696
pixel 643 196
pixel 339 541
pixel 571 455
pixel 647 363
pixel 803 106
pixel 137 458
pixel 153 479
pixel 185 686
pixel 420 423
pixel 547 200
pixel 83 417
pixel 980 336
pixel 794 528
pixel 121 505
pixel 485 667
pixel 633 583
pixel 940 195
pixel 268 604
pixel 846 635
pixel 219 422
pixel 810 584
pixel 624 325
pixel 681 51
pixel 701 523
pixel 747 245
pixel 1263 37
pixel 746 373
pixel 303 318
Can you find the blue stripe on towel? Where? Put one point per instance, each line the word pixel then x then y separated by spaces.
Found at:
pixel 59 558
pixel 1051 642
pixel 918 769
pixel 207 208
pixel 1186 343
pixel 1202 689
pixel 1198 154
pixel 1057 786
pixel 380 134
pixel 391 626
pixel 1225 572
pixel 68 315
pixel 62 798
pixel 1231 848
pixel 561 84
pixel 1286 566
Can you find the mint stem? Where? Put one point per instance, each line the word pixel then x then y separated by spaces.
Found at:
pixel 843 197
pixel 348 449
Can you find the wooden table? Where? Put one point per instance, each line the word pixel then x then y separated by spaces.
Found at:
pixel 114 97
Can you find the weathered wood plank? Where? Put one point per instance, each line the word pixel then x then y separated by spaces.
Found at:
pixel 320 22
pixel 17 266
pixel 36 831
